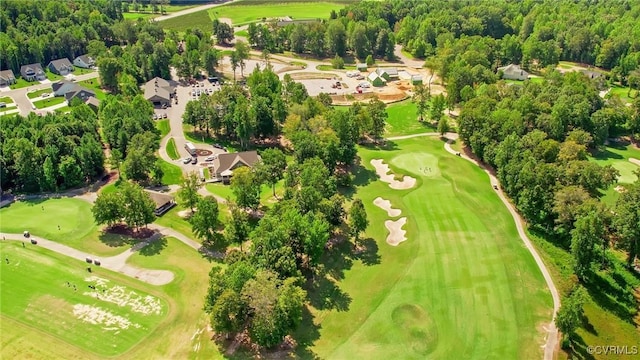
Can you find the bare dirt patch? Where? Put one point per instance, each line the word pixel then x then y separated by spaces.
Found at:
pixel 386 206
pixel 396 233
pixel 98 316
pixel 634 161
pixel 147 305
pixel 382 170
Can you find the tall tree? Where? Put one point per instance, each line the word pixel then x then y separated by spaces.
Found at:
pixel 571 311
pixel 627 221
pixel 358 221
pixel 108 208
pixel 246 188
pixel 421 98
pixel 188 192
pixel 204 222
pixel 271 167
pixel 588 232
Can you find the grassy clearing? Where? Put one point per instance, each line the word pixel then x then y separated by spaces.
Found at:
pixel 172 173
pixel 200 137
pixel 34 293
pixel 462 286
pixel 44 103
pixel 37 93
pixel 138 15
pixel 172 220
pixel 623 93
pixel 81 71
pixel 244 14
pixel 171 150
pixel 243 33
pixel 163 126
pixel 74 217
pixel 403 120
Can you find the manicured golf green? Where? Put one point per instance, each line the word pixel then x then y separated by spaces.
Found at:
pixel 108 320
pixel 618 157
pixel 462 286
pixel 77 229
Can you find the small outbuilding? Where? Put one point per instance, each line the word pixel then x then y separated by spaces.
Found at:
pixel 387 73
pixel 376 80
pixel 361 67
pixel 416 79
pixel 163 202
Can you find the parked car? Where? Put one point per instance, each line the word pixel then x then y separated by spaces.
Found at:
pixel 186 160
pixel 155 116
pixel 360 77
pixel 218 146
pixel 365 85
pixel 164 116
pixel 194 160
pixel 210 158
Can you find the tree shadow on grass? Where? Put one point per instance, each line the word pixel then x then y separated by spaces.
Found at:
pixel 579 348
pixel 115 240
pixel 306 335
pixel 154 247
pixel 325 294
pixel 386 145
pixel 368 252
pixel 615 299
pixel 608 154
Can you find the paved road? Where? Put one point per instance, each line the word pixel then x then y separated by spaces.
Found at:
pixel 19 96
pixel 189 11
pixel 552 332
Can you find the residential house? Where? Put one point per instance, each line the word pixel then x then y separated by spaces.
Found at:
pixel 376 80
pixel 387 73
pixel 84 61
pixel 163 202
pixel 416 79
pixel 159 91
pixel 93 103
pixel 71 90
pixel 7 78
pixel 61 66
pixel 361 67
pixel 513 72
pixel 32 72
pixel 224 164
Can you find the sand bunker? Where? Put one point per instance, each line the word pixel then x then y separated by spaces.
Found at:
pixel 382 170
pixel 396 234
pixel 118 295
pixel 386 206
pixel 635 161
pixel 98 316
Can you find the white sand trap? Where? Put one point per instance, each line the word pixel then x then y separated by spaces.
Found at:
pixel 396 234
pixel 386 206
pixel 635 161
pixel 382 170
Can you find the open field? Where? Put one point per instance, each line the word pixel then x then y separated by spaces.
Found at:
pixel 44 103
pixel 242 13
pixel 403 120
pixel 74 217
pixel 171 150
pixel 44 310
pixel 462 286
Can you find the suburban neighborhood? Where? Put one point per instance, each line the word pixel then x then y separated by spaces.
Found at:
pixel 251 179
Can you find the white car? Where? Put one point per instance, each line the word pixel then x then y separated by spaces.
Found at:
pixel 186 160
pixel 210 158
pixel 365 85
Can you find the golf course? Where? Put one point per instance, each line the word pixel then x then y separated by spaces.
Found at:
pixel 461 286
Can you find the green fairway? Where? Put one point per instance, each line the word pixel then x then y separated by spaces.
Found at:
pixel 403 120
pixel 463 285
pixel 618 157
pixel 244 14
pixel 41 104
pixel 107 320
pixel 74 217
pixel 171 150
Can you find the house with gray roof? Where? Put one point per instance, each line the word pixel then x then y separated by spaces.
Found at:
pixel 7 78
pixel 84 61
pixel 164 202
pixel 159 91
pixel 513 72
pixel 71 90
pixel 224 164
pixel 32 72
pixel 60 66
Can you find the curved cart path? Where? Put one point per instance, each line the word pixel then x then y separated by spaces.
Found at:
pixel 552 332
pixel 117 263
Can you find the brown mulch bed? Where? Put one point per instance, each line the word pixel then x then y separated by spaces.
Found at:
pixel 203 152
pixel 121 229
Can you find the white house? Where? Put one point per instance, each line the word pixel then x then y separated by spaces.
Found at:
pixel 84 61
pixel 513 72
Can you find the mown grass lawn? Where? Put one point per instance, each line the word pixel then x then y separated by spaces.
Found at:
pixel 462 286
pixel 94 84
pixel 618 156
pixel 243 14
pixel 37 93
pixel 163 126
pixel 44 103
pixel 22 83
pixel 403 120
pixel 171 150
pixel 77 229
pixel 6 99
pixel 200 137
pixel 623 93
pixel 51 76
pixel 196 20
pixel 172 173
